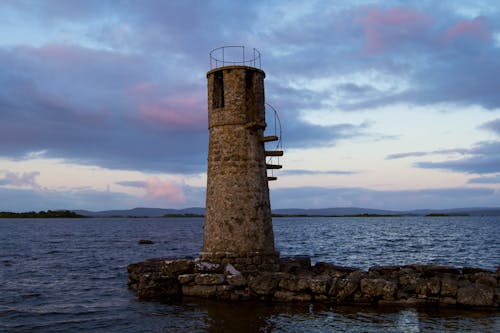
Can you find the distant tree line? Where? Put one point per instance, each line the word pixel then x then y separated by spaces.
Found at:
pixel 41 214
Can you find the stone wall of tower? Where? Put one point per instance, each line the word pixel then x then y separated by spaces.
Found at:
pixel 238 215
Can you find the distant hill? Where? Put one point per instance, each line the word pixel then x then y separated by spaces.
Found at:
pixel 142 212
pixel 339 211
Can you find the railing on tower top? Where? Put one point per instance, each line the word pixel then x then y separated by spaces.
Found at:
pixel 234 56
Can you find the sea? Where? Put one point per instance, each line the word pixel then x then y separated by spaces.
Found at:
pixel 70 275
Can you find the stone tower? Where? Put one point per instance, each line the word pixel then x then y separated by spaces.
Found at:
pixel 238 225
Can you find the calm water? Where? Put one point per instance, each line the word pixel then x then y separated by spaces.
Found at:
pixel 70 275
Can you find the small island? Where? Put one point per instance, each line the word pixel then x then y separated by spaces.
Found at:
pixel 42 214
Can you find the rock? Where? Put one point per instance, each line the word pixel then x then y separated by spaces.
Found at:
pixel 231 270
pixel 384 271
pixel 476 295
pixel 157 286
pixel 145 242
pixel 342 289
pixel 408 282
pixel 176 267
pixel 206 267
pixel 356 275
pixel 488 278
pixel 186 278
pixel 205 291
pixel 236 280
pixel 293 283
pixel 295 264
pixel 428 287
pixel 135 271
pixel 448 300
pixel 433 270
pixel 289 296
pixel 319 285
pixel 375 288
pixel 264 284
pixel 209 279
pixel 449 287
pixel 473 270
pixel 333 270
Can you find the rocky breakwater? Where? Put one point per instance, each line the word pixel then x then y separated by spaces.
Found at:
pixel 297 281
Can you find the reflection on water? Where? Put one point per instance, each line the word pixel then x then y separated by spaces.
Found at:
pixel 260 317
pixel 70 275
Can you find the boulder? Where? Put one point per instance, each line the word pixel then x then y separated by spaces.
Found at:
pixel 236 280
pixel 186 278
pixel 449 287
pixel 209 279
pixel 342 289
pixel 157 286
pixel 473 270
pixel 332 270
pixel 476 295
pixel 176 267
pixel 319 284
pixel 206 291
pixel 264 284
pixel 296 264
pixel 136 270
pixel 206 267
pixel 428 287
pixel 231 270
pixel 293 283
pixel 378 288
pixel 433 270
pixel 487 278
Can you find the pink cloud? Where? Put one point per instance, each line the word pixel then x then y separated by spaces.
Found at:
pixel 475 29
pixel 386 28
pixel 167 189
pixel 178 110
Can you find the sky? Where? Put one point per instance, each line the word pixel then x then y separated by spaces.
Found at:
pixel 383 104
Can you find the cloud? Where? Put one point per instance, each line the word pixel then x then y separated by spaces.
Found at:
pixel 385 28
pixel 493 126
pixel 404 155
pixel 485 159
pixel 423 153
pixel 486 180
pixel 470 29
pixel 441 198
pixel 26 179
pixel 155 188
pixel 301 172
pixel 86 113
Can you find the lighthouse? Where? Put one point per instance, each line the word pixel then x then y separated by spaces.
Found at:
pixel 238 225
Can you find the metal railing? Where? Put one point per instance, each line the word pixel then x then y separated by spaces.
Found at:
pixel 234 56
pixel 277 132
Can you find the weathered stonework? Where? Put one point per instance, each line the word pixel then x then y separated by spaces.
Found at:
pixel 238 226
pixel 295 281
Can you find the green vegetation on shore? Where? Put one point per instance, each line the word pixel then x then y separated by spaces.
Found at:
pixel 42 214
